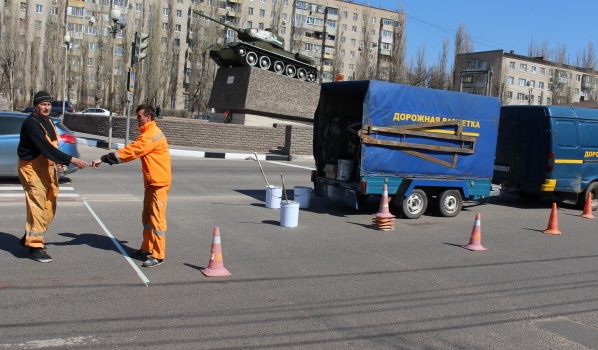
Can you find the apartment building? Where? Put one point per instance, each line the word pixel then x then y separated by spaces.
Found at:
pixel 343 37
pixel 519 80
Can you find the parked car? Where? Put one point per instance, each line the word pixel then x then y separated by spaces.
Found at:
pixel 56 108
pixel 10 130
pixel 96 111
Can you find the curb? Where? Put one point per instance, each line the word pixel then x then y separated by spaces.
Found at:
pixel 195 154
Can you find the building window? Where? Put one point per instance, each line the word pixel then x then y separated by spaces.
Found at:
pixel 521 82
pixel 179 13
pixel 353 42
pixel 345 14
pixel 38 24
pixel 532 83
pixel 533 69
pixel 343 39
pixel 260 26
pixel 548 100
pixel 523 67
pixel 138 22
pixel 250 10
pixel 177 27
pixel 351 66
pixel 90 62
pixel 510 95
pixel 511 80
pixel 578 78
pixel 354 29
pixel 249 24
pixel 344 27
pixel 355 17
pixel 576 91
pixel 512 65
pixel 541 85
pixel 285 3
pixel 262 13
pixel 177 42
pixel 138 7
pixel 351 54
pixel 283 30
pixel 164 26
pixel 38 8
pixel 542 71
pixel 521 96
pixel 165 11
pixel 373 20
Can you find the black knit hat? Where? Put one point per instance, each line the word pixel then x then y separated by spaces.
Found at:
pixel 41 96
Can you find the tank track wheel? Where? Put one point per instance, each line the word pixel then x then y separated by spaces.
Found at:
pixel 279 67
pixel 290 70
pixel 301 74
pixel 241 51
pixel 311 76
pixel 265 62
pixel 251 58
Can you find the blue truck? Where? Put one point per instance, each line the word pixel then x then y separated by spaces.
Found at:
pixel 432 148
pixel 548 151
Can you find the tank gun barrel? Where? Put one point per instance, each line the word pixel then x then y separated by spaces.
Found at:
pixel 236 29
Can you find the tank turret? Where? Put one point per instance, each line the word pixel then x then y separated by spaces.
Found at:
pixel 262 48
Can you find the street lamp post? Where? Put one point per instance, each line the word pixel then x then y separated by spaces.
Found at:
pixel 65 94
pixel 119 24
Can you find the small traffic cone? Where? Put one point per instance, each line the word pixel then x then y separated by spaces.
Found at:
pixel 383 219
pixel 475 240
pixel 216 266
pixel 587 209
pixel 553 222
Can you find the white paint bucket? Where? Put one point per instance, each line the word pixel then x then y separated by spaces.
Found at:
pixel 273 196
pixel 302 195
pixel 289 213
pixel 344 169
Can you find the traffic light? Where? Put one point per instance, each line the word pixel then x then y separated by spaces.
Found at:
pixel 138 46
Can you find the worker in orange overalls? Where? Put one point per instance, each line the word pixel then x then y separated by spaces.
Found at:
pixel 38 158
pixel 151 146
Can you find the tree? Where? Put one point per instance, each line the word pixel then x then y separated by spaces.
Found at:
pixel 439 79
pixel 418 74
pixel 11 49
pixel 397 63
pixel 366 67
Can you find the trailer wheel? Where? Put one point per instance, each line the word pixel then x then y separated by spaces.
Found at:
pixel 593 190
pixel 414 205
pixel 449 203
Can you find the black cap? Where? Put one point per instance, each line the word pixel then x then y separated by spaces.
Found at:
pixel 41 96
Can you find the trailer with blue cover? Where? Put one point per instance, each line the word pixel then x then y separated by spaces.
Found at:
pixel 548 151
pixel 432 148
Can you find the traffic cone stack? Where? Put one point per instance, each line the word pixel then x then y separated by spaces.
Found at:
pixel 475 240
pixel 216 266
pixel 553 222
pixel 587 209
pixel 383 220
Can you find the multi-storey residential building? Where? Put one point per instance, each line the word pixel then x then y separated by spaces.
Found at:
pixel 342 36
pixel 518 79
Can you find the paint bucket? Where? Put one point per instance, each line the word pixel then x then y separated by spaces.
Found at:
pixel 344 169
pixel 289 213
pixel 273 196
pixel 302 195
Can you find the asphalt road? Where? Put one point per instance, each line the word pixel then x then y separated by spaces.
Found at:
pixel 333 282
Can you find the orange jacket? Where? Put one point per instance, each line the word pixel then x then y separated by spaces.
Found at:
pixel 151 146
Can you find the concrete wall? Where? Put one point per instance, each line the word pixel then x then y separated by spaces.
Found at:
pixel 293 140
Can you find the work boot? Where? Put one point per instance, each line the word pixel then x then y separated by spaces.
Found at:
pixel 39 254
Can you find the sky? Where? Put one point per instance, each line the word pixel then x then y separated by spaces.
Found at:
pixel 497 25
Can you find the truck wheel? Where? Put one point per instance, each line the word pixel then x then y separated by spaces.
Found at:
pixel 593 189
pixel 449 203
pixel 414 205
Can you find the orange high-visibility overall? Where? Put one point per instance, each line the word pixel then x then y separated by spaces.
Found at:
pixel 152 148
pixel 39 179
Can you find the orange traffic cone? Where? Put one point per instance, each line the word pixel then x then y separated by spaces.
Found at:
pixel 216 266
pixel 384 220
pixel 587 209
pixel 475 240
pixel 553 222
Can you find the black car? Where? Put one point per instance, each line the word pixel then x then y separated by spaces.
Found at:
pixel 56 108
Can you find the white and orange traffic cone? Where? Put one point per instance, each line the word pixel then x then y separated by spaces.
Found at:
pixel 587 208
pixel 216 266
pixel 553 222
pixel 475 240
pixel 383 219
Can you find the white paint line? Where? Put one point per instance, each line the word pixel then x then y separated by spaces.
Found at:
pixel 135 267
pixel 22 195
pixel 184 153
pixel 50 343
pixel 291 165
pixel 20 188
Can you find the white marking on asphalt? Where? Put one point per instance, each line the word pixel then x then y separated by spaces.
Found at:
pixel 131 262
pixel 292 165
pixel 49 343
pixel 20 188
